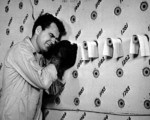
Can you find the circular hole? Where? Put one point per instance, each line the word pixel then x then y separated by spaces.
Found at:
pixel 57 100
pixel 96 73
pixel 21 5
pixel 7 31
pixel 109 42
pixel 73 19
pixel 97 102
pixel 117 11
pixel 93 15
pixel 144 6
pixel 146 71
pixel 119 72
pixel 21 28
pixel 147 104
pixel 121 103
pixel 75 74
pixel 6 9
pixel 85 45
pixel 135 39
pixel 76 101
pixel 36 2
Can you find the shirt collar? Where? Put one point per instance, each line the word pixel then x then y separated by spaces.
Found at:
pixel 28 40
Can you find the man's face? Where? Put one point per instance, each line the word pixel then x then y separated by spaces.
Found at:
pixel 48 38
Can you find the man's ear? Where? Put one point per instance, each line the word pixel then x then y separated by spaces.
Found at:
pixel 38 30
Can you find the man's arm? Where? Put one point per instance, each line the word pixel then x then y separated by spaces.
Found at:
pixel 27 66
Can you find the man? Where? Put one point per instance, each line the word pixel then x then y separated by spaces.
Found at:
pixel 24 78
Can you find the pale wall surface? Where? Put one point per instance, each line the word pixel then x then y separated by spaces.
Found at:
pixel 111 19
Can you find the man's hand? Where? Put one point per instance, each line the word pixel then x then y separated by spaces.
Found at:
pixel 56 88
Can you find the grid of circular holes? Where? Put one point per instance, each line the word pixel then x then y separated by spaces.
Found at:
pixel 73 19
pixel 121 103
pixel 96 73
pixel 144 6
pixel 119 72
pixel 97 102
pixel 146 71
pixel 75 74
pixel 117 11
pixel 147 104
pixel 93 15
pixel 76 101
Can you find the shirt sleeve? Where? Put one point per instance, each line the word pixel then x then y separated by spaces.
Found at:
pixel 26 65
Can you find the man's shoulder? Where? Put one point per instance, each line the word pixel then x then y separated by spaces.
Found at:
pixel 19 47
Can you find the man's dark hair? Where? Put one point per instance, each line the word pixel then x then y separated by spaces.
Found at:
pixel 45 21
